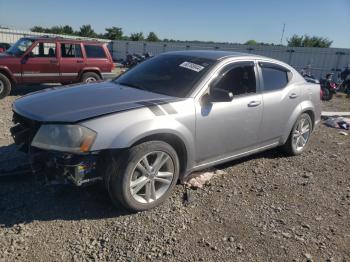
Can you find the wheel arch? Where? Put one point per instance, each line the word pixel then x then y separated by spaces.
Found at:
pixel 90 69
pixel 304 107
pixel 8 74
pixel 173 140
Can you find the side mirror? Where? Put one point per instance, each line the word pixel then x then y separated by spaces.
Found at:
pixel 220 95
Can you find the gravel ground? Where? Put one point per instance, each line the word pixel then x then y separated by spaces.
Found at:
pixel 265 208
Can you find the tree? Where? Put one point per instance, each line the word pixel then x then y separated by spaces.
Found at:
pixel 56 30
pixel 251 42
pixel 152 37
pixel 307 41
pixel 38 29
pixel 87 31
pixel 137 37
pixel 114 33
pixel 67 30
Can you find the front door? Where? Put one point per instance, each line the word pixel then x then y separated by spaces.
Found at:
pixel 227 128
pixel 40 64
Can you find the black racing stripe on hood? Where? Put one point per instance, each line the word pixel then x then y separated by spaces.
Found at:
pixel 154 108
pixel 165 105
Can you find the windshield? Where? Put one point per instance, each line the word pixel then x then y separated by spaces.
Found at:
pixel 20 47
pixel 172 75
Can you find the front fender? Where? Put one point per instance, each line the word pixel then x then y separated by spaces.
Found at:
pixel 123 129
pixel 5 70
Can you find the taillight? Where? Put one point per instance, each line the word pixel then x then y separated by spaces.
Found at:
pixel 321 93
pixel 333 85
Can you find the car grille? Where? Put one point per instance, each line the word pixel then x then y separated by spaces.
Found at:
pixel 24 131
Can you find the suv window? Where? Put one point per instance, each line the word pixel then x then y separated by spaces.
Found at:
pixel 274 77
pixel 70 50
pixel 44 50
pixel 20 47
pixel 238 79
pixel 94 51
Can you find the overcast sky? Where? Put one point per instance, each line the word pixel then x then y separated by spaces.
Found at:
pixel 224 21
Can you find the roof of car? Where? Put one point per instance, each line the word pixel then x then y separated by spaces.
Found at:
pixel 211 54
pixel 52 38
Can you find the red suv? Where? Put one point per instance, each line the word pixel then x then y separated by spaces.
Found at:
pixel 53 60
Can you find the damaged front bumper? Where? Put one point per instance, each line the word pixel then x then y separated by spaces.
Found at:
pixel 56 167
pixel 65 168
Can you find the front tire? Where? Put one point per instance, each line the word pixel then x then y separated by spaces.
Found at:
pixel 5 86
pixel 143 176
pixel 299 136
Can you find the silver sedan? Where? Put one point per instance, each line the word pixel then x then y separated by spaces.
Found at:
pixel 169 116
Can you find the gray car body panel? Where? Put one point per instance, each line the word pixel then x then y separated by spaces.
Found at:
pixel 211 134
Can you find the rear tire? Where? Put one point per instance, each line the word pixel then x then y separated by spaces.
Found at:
pixel 128 181
pixel 327 95
pixel 90 77
pixel 303 124
pixel 5 86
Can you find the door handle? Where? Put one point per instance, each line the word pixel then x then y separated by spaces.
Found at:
pixel 254 103
pixel 293 95
pixel 79 61
pixel 53 61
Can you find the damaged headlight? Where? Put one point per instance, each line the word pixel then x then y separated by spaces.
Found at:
pixel 66 138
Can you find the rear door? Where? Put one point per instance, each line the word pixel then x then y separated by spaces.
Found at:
pixel 40 64
pixel 71 61
pixel 281 97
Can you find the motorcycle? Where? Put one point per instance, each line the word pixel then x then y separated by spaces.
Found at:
pixel 135 59
pixel 328 87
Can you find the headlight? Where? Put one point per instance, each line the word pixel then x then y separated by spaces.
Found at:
pixel 67 138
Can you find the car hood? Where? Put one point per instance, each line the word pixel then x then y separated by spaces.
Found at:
pixel 76 103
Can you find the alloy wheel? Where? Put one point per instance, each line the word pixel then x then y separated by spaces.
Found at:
pixel 151 177
pixel 301 134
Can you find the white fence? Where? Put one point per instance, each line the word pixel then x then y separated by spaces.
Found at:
pixel 320 60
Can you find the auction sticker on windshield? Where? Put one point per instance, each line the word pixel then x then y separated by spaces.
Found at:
pixel 192 66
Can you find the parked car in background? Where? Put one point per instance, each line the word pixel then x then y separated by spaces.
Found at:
pixel 163 119
pixel 53 60
pixel 4 47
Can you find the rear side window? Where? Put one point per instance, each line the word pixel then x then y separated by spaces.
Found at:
pixel 94 51
pixel 274 77
pixel 70 50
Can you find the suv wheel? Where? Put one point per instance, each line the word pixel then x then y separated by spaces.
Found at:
pixel 5 86
pixel 299 136
pixel 143 176
pixel 90 77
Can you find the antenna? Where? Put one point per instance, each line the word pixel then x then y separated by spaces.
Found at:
pixel 284 26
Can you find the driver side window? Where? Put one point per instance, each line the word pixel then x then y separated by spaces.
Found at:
pixel 238 79
pixel 44 50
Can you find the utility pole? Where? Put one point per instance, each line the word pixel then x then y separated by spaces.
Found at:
pixel 284 26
